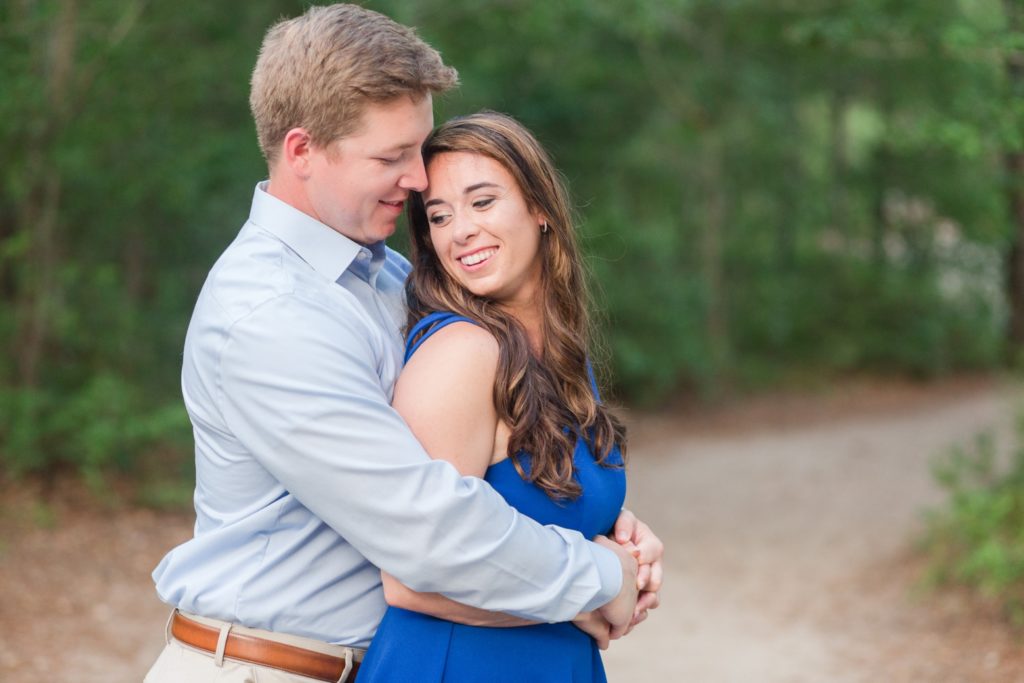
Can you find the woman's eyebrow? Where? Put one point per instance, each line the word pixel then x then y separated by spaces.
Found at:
pixel 471 188
pixel 477 186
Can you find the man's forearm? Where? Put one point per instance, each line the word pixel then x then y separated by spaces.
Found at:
pixel 347 456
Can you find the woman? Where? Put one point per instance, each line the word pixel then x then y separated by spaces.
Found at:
pixel 497 380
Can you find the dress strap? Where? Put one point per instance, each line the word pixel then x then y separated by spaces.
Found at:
pixel 428 325
pixel 432 322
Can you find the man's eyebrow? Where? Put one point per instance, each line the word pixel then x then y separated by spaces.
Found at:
pixel 389 151
pixel 471 188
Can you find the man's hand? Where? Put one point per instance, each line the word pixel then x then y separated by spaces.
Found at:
pixel 621 611
pixel 648 549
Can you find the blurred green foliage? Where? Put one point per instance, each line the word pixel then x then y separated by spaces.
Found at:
pixel 978 539
pixel 768 189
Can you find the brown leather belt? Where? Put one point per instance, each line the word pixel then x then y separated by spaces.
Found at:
pixel 263 652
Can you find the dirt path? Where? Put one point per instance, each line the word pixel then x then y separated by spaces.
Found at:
pixel 788 523
pixel 790 544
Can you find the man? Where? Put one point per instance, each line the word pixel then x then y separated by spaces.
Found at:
pixel 306 480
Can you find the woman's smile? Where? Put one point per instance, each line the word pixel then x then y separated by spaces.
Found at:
pixel 477 257
pixel 482 229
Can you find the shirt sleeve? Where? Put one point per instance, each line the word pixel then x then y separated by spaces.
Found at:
pixel 306 401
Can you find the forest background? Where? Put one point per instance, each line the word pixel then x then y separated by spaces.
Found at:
pixel 771 192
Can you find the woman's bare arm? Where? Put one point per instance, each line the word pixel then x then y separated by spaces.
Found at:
pixel 398 594
pixel 445 395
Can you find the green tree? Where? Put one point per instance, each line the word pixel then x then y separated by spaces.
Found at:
pixel 769 191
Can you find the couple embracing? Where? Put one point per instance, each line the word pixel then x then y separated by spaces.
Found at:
pixel 413 459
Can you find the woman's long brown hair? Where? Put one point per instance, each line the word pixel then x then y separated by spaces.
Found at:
pixel 547 399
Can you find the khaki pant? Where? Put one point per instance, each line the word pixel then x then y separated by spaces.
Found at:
pixel 181 663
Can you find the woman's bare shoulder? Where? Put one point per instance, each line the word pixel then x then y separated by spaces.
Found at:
pixel 472 346
pixel 446 395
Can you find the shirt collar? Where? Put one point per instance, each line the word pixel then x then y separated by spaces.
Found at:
pixel 326 250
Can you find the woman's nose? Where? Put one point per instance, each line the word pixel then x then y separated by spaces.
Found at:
pixel 464 228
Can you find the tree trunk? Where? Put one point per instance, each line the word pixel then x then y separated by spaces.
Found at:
pixel 838 162
pixel 792 192
pixel 1014 164
pixel 1015 256
pixel 711 251
pixel 881 169
pixel 39 213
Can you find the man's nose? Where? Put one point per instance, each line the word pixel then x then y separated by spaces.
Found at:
pixel 416 177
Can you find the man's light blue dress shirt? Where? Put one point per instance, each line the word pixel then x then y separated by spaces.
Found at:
pixel 305 476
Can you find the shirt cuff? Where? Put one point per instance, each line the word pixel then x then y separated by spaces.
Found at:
pixel 610 570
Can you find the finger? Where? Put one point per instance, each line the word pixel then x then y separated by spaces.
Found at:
pixel 657 574
pixel 651 547
pixel 625 526
pixel 637 618
pixel 618 631
pixel 648 600
pixel 643 576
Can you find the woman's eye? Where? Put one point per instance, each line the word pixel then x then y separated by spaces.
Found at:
pixel 438 219
pixel 483 203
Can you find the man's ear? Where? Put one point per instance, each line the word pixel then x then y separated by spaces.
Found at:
pixel 295 151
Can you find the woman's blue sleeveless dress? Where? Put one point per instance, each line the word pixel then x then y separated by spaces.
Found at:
pixel 415 647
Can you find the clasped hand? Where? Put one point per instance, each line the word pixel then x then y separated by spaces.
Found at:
pixel 640 552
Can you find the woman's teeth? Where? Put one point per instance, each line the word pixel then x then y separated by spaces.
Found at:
pixel 477 257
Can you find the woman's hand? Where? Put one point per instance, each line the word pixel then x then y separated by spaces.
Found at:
pixel 596 626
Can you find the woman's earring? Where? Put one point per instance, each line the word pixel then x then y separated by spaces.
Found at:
pixel 544 227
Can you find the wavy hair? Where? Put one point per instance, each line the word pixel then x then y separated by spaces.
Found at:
pixel 546 399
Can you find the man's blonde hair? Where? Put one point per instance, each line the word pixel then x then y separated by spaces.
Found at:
pixel 320 70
